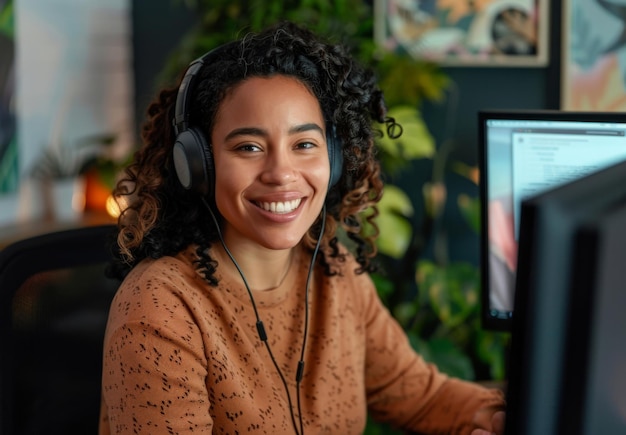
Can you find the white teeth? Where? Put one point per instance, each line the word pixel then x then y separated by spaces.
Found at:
pixel 280 207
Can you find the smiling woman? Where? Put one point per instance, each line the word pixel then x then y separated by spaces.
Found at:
pixel 270 131
pixel 240 311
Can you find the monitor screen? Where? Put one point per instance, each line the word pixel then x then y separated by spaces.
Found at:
pixel 523 153
pixel 566 371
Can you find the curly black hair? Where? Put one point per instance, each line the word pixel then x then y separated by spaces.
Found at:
pixel 160 217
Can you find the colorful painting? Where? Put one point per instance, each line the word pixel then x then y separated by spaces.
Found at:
pixel 465 33
pixel 594 56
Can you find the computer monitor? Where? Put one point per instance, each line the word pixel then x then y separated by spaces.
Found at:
pixel 522 153
pixel 567 366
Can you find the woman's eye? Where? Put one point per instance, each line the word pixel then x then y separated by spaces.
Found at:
pixel 248 148
pixel 306 145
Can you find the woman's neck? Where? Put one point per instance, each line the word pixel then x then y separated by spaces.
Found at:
pixel 263 269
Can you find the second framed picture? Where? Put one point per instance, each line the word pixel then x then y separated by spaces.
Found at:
pixel 466 33
pixel 593 67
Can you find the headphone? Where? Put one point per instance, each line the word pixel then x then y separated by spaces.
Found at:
pixel 193 158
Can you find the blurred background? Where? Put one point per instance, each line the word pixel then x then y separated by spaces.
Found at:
pixel 76 77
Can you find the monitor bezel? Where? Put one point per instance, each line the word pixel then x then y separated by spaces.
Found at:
pixel 565 263
pixel 489 322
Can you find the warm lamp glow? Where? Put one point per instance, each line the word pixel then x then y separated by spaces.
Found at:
pixel 112 207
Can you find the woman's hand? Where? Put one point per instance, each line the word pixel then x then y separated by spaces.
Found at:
pixel 497 425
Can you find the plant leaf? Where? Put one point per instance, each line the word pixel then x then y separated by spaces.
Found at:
pixel 453 291
pixel 394 208
pixel 445 355
pixel 490 349
pixel 470 210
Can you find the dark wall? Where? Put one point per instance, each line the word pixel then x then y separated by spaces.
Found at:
pixel 158 26
pixel 455 121
pixel 474 89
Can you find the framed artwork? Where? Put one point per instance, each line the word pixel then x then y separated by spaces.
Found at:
pixel 465 33
pixel 593 65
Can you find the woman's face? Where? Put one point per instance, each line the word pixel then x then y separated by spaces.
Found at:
pixel 271 162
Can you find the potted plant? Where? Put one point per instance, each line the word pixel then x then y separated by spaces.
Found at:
pixel 83 173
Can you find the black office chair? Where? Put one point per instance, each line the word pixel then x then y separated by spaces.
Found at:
pixel 54 302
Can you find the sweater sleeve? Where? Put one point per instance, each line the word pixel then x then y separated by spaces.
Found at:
pixel 409 393
pixel 154 370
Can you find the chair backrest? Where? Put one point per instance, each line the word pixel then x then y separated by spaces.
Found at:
pixel 54 303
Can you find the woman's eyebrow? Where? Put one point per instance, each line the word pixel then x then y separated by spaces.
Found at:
pixel 246 131
pixel 256 131
pixel 306 127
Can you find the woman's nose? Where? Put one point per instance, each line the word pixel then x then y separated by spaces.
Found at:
pixel 279 168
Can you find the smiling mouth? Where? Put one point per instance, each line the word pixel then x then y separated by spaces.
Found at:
pixel 280 207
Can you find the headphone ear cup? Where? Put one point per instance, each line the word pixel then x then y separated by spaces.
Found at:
pixel 335 156
pixel 193 162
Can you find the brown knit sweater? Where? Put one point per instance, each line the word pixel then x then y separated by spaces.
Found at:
pixel 181 356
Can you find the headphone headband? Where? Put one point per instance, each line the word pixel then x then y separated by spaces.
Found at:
pixel 181 114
